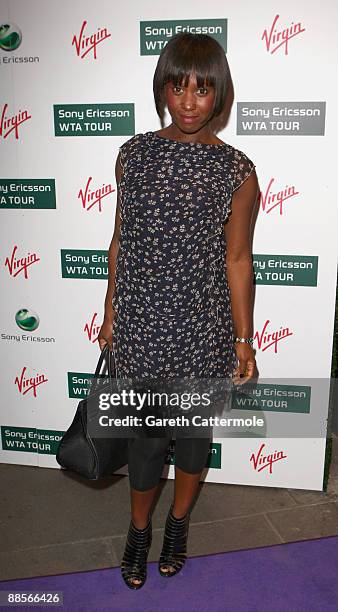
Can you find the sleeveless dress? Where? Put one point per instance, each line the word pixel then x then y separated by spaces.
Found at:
pixel 172 300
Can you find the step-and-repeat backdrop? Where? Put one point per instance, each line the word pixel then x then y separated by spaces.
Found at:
pixel 76 83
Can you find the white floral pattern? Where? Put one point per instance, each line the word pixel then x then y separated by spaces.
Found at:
pixel 172 297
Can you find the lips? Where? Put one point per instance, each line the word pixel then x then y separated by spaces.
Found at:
pixel 188 118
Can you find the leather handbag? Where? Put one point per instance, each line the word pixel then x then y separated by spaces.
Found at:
pixel 80 452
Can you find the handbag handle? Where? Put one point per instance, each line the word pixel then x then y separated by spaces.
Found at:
pixel 109 363
pixel 106 355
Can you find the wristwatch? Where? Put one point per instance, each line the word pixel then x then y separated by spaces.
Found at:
pixel 246 340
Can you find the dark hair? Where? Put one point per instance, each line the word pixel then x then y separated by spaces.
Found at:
pixel 186 53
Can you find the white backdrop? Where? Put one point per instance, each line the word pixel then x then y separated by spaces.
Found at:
pixel 279 56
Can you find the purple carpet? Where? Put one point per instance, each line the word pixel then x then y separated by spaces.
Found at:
pixel 296 577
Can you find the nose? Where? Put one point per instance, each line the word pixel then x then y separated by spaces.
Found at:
pixel 188 101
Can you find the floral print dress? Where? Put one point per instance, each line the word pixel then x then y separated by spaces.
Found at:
pixel 172 300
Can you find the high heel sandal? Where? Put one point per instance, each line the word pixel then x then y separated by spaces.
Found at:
pixel 134 562
pixel 174 550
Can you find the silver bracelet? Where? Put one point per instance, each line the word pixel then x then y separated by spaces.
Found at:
pixel 246 340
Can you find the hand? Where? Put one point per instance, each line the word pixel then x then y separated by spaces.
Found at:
pixel 247 363
pixel 106 333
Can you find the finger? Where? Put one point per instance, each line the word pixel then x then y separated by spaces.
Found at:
pixel 236 372
pixel 241 367
pixel 109 341
pixel 249 371
pixel 238 378
pixel 250 367
pixel 244 371
pixel 102 343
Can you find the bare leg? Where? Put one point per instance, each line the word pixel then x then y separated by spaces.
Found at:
pixel 186 486
pixel 141 503
pixel 146 459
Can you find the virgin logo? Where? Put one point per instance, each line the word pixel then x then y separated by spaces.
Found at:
pixel 92 329
pixel 89 196
pixel 260 461
pixel 85 43
pixel 267 339
pixel 9 124
pixel 29 384
pixel 275 199
pixel 20 264
pixel 276 38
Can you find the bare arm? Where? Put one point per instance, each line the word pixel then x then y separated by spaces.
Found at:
pixel 238 234
pixel 113 249
pixel 105 335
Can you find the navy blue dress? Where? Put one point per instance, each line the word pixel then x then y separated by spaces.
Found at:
pixel 172 296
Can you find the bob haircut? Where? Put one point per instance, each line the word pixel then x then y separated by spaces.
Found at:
pixel 186 53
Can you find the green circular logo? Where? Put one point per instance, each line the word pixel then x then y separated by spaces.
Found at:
pixel 10 36
pixel 27 319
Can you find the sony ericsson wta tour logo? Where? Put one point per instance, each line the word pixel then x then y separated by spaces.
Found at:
pixel 268 339
pixel 92 329
pixel 276 37
pixel 25 384
pixel 16 264
pixel 261 461
pixel 90 196
pixel 271 199
pixel 85 43
pixel 10 123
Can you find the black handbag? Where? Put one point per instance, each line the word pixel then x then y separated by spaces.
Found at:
pixel 78 451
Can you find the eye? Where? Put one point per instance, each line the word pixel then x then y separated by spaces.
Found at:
pixel 177 89
pixel 202 90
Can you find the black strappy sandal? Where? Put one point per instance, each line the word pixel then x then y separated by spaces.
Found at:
pixel 134 562
pixel 174 550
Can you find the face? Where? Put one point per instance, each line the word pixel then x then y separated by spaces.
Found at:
pixel 191 107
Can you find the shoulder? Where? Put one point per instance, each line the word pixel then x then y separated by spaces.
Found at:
pixel 129 147
pixel 131 142
pixel 238 157
pixel 239 166
pixel 132 139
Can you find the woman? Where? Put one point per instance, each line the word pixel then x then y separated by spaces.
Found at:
pixel 179 297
